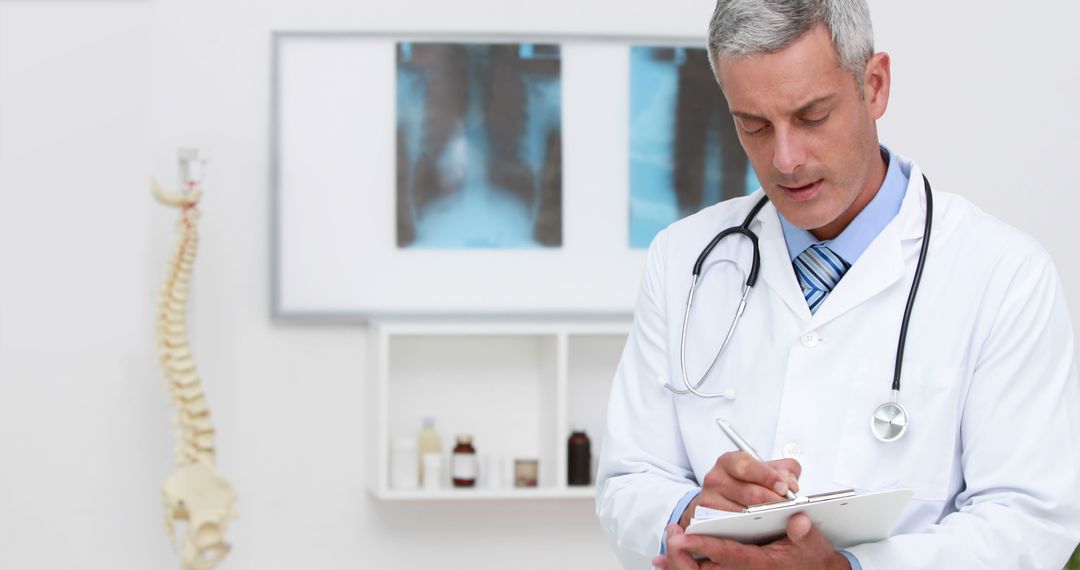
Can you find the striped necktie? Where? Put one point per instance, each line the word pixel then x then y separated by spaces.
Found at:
pixel 818 270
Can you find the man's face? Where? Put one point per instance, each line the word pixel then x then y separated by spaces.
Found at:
pixel 809 135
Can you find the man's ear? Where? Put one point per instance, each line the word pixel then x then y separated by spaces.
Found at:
pixel 877 78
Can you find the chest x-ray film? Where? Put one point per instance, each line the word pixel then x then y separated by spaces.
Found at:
pixel 479 146
pixel 684 151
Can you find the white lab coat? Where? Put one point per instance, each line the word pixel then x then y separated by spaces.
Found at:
pixel 989 380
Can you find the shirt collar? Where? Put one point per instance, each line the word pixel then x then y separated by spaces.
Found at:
pixel 853 241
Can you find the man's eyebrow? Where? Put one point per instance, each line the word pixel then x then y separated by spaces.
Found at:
pixel 806 107
pixel 814 103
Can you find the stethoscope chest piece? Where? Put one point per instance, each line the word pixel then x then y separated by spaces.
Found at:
pixel 889 422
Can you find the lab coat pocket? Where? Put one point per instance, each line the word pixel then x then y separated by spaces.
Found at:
pixel 923 459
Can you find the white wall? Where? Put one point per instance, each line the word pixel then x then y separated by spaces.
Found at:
pixel 96 95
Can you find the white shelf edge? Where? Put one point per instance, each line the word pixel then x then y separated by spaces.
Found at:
pixel 503 328
pixel 612 330
pixel 562 406
pixel 539 493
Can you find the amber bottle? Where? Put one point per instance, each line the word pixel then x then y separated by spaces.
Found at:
pixel 463 465
pixel 580 459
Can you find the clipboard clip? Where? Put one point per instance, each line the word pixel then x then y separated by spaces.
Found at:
pixel 803 500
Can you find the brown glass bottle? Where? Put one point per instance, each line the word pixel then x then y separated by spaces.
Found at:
pixel 580 459
pixel 463 464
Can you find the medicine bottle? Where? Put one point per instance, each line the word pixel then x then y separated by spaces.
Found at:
pixel 579 459
pixel 403 463
pixel 464 467
pixel 427 442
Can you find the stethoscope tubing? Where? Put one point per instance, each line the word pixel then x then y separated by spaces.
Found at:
pixel 751 279
pixel 744 230
pixel 925 247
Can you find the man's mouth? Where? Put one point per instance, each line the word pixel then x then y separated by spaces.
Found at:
pixel 802 193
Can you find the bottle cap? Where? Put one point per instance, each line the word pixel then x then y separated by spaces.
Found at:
pixel 429 421
pixel 464 439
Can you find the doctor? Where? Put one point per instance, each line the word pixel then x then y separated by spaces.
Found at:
pixel 989 375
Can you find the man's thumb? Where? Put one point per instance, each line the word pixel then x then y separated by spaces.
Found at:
pixel 798 527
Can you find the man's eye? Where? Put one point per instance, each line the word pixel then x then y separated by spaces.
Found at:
pixel 755 131
pixel 815 119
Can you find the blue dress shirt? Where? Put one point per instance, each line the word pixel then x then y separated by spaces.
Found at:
pixel 850 245
pixel 853 241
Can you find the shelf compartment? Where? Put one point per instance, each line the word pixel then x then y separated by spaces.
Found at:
pixel 516 386
pixel 498 388
pixel 591 362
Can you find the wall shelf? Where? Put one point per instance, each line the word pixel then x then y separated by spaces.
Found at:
pixel 517 387
pixel 509 494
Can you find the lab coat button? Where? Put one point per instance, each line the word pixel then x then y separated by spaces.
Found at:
pixel 810 339
pixel 791 450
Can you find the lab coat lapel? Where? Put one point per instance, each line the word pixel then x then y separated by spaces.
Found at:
pixel 776 268
pixel 882 264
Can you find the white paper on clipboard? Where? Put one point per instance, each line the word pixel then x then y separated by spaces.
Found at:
pixel 845 521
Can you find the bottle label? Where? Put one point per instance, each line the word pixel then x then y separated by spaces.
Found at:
pixel 464 466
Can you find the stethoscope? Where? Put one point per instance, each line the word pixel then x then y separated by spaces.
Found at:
pixel 890 420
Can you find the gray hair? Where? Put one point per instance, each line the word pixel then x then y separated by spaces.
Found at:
pixel 751 27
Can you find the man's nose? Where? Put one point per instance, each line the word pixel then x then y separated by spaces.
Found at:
pixel 788 151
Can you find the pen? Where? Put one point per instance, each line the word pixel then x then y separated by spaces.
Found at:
pixel 739 442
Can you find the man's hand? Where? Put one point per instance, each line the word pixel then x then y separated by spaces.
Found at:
pixel 738 480
pixel 804 547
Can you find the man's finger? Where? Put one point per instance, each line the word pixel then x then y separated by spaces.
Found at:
pixel 792 481
pixel 743 467
pixel 741 479
pixel 798 527
pixel 678 556
pixel 720 550
pixel 790 465
pixel 790 470
pixel 713 499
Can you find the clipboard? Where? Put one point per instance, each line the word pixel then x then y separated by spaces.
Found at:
pixel 845 517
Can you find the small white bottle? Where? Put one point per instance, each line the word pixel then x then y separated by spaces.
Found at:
pixel 433 471
pixel 493 473
pixel 403 463
pixel 427 442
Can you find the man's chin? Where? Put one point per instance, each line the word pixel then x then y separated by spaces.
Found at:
pixel 803 216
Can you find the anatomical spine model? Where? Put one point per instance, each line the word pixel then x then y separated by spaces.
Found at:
pixel 196 492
